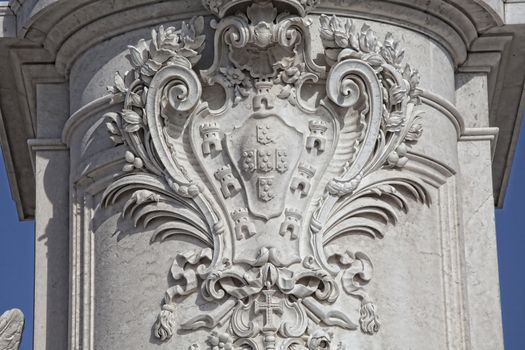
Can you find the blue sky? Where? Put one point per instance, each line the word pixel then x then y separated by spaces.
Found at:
pixel 17 257
pixel 511 256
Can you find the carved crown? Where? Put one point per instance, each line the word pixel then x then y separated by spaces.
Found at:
pixel 318 125
pixel 263 84
pixel 240 213
pixel 293 213
pixel 221 8
pixel 223 171
pixel 306 169
pixel 209 128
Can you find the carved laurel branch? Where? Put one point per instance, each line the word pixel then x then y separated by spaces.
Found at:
pixel 363 70
pixel 160 188
pixel 345 51
pixel 363 74
pixel 144 176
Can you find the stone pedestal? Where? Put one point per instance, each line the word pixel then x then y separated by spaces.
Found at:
pixel 262 174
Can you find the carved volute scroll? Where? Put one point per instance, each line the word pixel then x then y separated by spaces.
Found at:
pixel 268 181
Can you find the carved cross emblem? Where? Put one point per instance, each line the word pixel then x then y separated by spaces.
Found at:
pixel 268 308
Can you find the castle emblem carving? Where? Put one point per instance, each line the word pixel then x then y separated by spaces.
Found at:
pixel 295 157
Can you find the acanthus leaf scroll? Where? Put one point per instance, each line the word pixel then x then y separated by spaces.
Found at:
pixel 268 181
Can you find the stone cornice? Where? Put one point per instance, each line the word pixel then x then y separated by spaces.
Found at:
pixel 52 36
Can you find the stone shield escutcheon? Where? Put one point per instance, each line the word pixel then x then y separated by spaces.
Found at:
pixel 265 151
pixel 266 176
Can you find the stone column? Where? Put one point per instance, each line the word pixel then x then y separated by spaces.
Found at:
pixel 263 174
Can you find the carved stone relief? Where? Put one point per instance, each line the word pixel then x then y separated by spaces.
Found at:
pixel 267 182
pixel 11 327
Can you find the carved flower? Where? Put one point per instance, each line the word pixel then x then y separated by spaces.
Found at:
pixel 191 36
pixel 320 340
pixel 290 73
pixel 220 341
pixel 238 80
pixel 166 42
pixel 338 32
pixel 170 44
pixel 187 42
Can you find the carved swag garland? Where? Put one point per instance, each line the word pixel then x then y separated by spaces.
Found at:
pixel 297 156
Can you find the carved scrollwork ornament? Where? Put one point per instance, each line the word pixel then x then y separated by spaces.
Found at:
pixel 253 180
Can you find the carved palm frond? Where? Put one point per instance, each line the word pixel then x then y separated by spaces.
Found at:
pixel 375 204
pixel 150 200
pixel 11 327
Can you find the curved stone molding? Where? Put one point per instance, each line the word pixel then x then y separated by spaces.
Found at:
pixel 11 327
pixel 267 172
pixel 53 36
pixel 452 23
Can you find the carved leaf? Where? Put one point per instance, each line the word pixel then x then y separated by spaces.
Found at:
pixel 11 327
pixel 138 55
pixel 373 205
pixel 415 131
pixel 367 39
pixel 151 200
pixel 391 51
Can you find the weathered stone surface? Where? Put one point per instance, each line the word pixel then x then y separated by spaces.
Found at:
pixel 261 175
pixel 11 327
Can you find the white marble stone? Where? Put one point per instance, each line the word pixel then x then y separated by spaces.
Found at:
pixel 514 11
pixel 261 179
pixel 11 327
